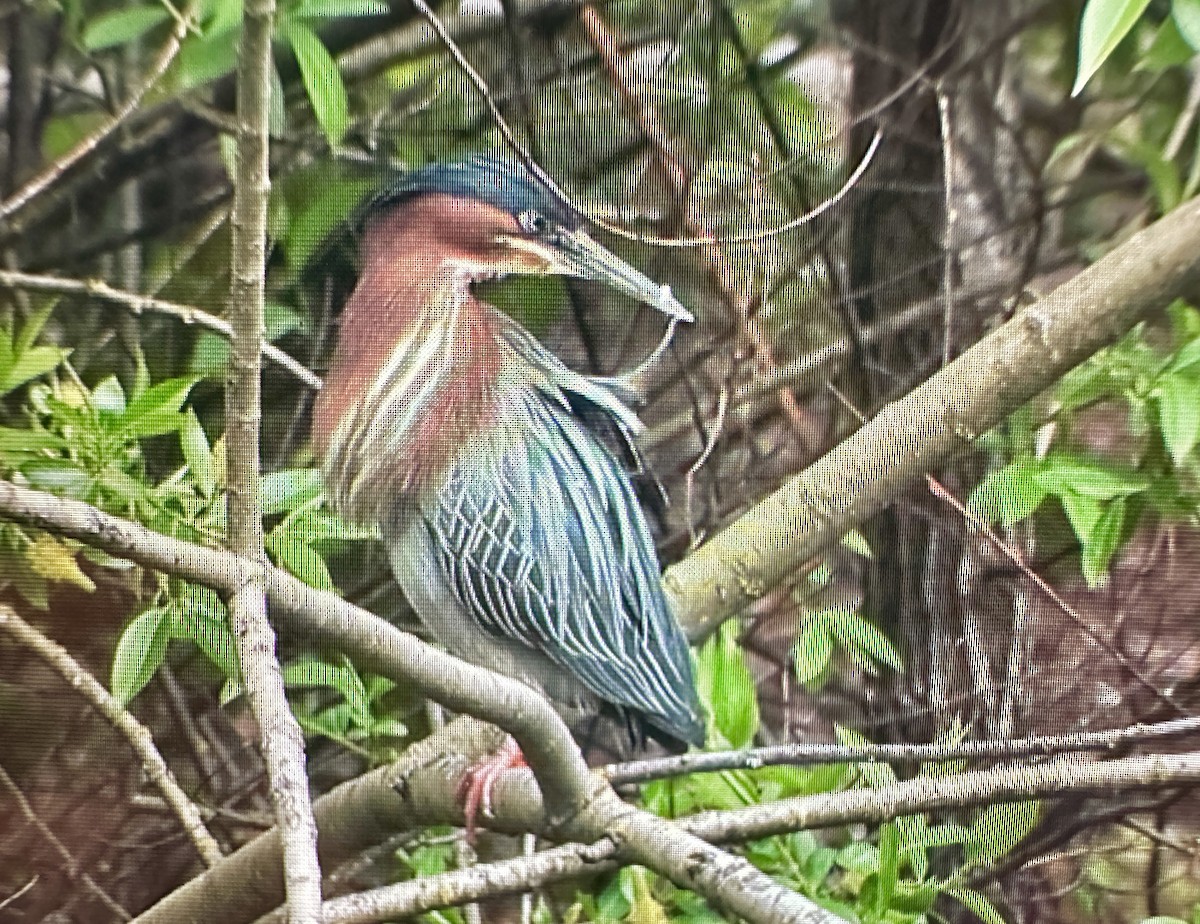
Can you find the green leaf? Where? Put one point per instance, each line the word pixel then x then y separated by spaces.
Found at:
pixel 198 454
pixel 1063 475
pixel 154 424
pixel 203 60
pixel 1169 48
pixel 117 27
pixel 889 867
pixel 346 8
pixel 852 630
pixel 199 616
pixel 140 651
pixel 813 649
pixel 1104 24
pixel 1186 16
pixel 333 722
pixel 1102 542
pixel 50 558
pixel 1188 357
pixel 33 326
pixel 165 397
pixel 279 320
pixel 310 671
pixel 728 686
pixel 319 203
pixel 58 476
pixel 1082 512
pixel 15 441
pixel 1164 174
pixel 1178 400
pixel 997 829
pixel 303 561
pixel 30 364
pixel 314 526
pixel 1008 495
pixel 856 542
pixel 222 15
pixel 977 903
pixel 289 488
pixel 15 570
pixel 859 857
pixel 322 81
pixel 1185 320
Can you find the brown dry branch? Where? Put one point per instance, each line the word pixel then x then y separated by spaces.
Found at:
pixel 71 865
pixel 720 268
pixel 138 736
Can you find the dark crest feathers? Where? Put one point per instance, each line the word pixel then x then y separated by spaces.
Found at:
pixel 502 183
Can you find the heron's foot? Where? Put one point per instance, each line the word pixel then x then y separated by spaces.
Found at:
pixel 475 788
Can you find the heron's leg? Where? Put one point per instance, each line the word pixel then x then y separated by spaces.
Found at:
pixel 475 788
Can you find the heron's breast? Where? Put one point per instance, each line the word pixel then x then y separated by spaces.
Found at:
pixel 396 422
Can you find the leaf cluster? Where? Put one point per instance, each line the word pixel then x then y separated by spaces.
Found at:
pixel 1143 388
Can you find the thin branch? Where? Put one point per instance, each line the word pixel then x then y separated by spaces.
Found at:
pixel 73 871
pixel 602 41
pixel 44 180
pixel 642 771
pixel 138 736
pixel 874 805
pixel 1046 589
pixel 136 303
pixel 762 234
pixel 279 733
pixel 15 896
pixel 493 880
pixel 480 84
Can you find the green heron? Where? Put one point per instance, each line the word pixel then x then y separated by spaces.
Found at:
pixel 509 518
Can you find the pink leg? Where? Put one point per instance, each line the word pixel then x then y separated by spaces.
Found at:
pixel 475 788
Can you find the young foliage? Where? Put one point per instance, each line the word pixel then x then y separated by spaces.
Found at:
pixel 1104 24
pixel 1154 388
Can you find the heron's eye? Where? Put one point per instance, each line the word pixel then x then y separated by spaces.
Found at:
pixel 533 222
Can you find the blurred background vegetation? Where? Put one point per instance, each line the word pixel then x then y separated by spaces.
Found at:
pixel 994 181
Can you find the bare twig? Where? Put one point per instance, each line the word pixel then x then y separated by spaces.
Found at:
pixel 642 771
pixel 1044 587
pixel 123 721
pixel 74 873
pixel 489 100
pixel 606 48
pixel 188 314
pixel 44 180
pixel 15 896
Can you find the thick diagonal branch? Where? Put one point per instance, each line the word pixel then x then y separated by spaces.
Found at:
pixel 912 436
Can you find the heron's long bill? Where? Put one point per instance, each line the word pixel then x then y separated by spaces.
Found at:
pixel 576 254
